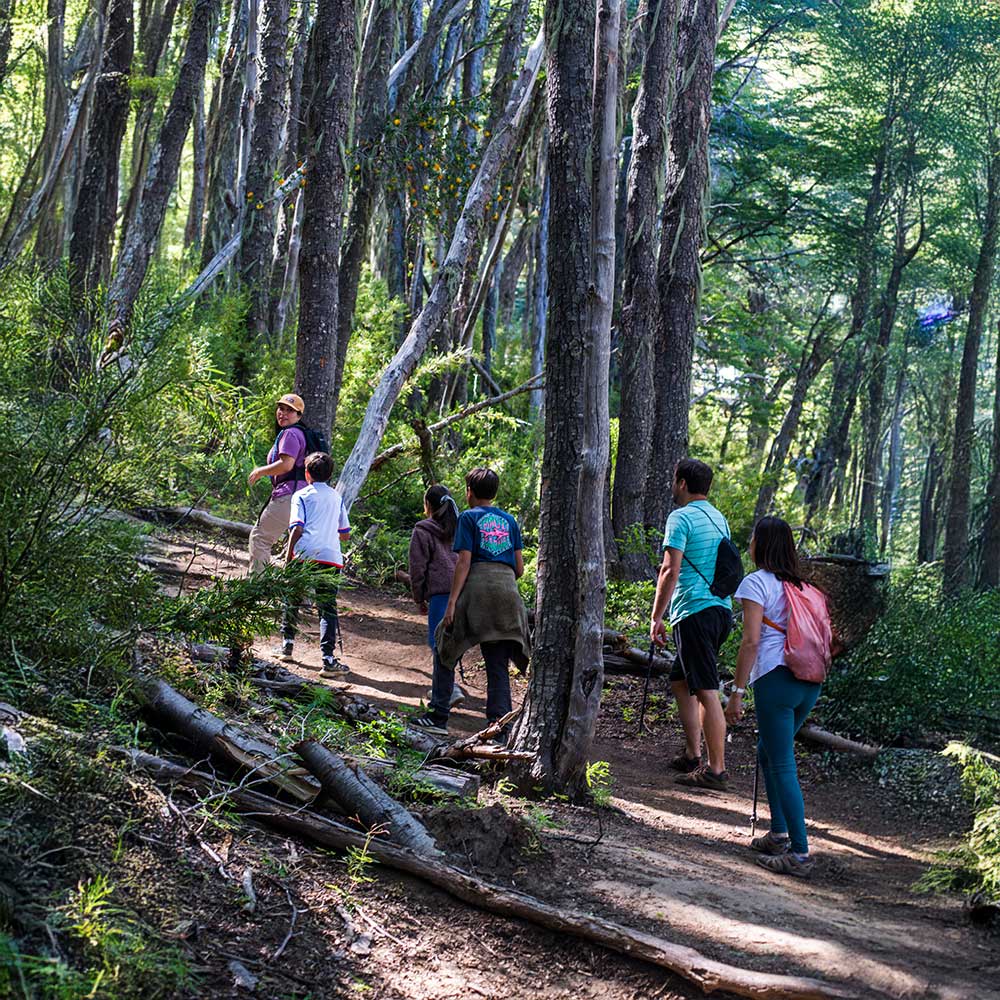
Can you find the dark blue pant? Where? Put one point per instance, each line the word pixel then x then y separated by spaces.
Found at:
pixel 326 607
pixel 782 703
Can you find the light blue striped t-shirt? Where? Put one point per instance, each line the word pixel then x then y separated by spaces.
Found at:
pixel 696 530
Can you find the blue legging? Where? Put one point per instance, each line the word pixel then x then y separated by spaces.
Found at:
pixel 782 703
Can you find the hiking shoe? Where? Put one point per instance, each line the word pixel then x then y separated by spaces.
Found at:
pixel 426 724
pixel 332 667
pixel 683 763
pixel 769 844
pixel 788 864
pixel 284 653
pixel 704 778
pixel 457 696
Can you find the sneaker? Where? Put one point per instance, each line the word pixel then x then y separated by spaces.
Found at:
pixel 703 777
pixel 426 724
pixel 769 844
pixel 284 653
pixel 683 763
pixel 788 864
pixel 332 667
pixel 457 696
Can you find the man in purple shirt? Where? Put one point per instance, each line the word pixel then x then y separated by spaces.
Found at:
pixel 286 467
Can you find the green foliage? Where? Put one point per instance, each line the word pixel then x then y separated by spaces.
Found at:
pixel 927 667
pixel 599 781
pixel 627 608
pixel 975 865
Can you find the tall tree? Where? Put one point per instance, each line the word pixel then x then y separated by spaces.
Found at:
pixel 640 303
pixel 989 559
pixel 332 54
pixel 97 203
pixel 6 16
pixel 270 111
pixel 560 710
pixel 682 235
pixel 161 175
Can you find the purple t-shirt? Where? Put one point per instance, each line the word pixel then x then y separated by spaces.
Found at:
pixel 290 441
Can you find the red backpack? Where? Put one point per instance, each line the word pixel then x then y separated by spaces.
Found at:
pixel 809 634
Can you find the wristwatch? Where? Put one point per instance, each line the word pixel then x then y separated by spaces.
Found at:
pixel 739 691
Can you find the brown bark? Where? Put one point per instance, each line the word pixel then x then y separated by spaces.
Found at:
pixel 97 203
pixel 640 303
pixel 332 53
pixel 199 175
pixel 706 973
pixel 358 795
pixel 264 152
pixel 560 708
pixel 927 540
pixel 682 235
pixel 161 175
pixel 956 541
pixel 373 73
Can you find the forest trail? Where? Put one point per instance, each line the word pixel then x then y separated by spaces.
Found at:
pixel 676 862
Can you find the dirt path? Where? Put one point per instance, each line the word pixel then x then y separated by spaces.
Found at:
pixel 676 861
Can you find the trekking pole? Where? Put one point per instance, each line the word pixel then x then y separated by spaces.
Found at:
pixel 756 787
pixel 645 690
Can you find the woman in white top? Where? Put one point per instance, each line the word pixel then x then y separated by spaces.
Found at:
pixel 781 700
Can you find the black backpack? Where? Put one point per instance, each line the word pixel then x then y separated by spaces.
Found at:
pixel 315 441
pixel 728 565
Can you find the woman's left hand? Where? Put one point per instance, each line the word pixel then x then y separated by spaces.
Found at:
pixel 734 710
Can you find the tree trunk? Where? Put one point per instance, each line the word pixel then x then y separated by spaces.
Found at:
pixel 259 209
pixel 97 203
pixel 890 491
pixel 640 304
pixel 682 235
pixel 161 176
pixel 833 448
pixel 446 283
pixel 539 304
pixel 360 796
pixel 989 560
pixel 813 359
pixel 561 705
pixel 956 541
pixel 6 16
pixel 927 541
pixel 333 50
pixel 154 33
pixel 223 137
pixel 373 72
pixel 199 176
pixel 510 275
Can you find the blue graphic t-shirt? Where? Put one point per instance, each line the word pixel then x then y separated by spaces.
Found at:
pixel 490 534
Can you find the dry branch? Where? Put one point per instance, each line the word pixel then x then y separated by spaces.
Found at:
pixel 196 516
pixel 708 974
pixel 359 795
pixel 813 734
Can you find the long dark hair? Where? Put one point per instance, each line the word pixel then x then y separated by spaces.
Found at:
pixel 774 550
pixel 443 510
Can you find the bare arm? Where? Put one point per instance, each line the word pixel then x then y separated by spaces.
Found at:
pixel 281 465
pixel 670 569
pixel 753 616
pixel 518 564
pixel 457 583
pixel 293 536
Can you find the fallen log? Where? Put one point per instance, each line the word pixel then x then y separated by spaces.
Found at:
pixel 176 515
pixel 358 794
pixel 221 740
pixel 706 973
pixel 813 734
pixel 619 666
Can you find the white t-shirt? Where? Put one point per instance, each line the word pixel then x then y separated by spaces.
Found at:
pixel 323 518
pixel 764 588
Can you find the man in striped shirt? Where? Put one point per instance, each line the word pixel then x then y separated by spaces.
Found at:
pixel 699 622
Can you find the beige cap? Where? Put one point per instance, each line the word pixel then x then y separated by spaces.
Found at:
pixel 295 402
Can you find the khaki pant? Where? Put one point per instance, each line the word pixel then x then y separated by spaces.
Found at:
pixel 270 526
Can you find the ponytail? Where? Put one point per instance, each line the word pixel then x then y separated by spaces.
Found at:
pixel 443 509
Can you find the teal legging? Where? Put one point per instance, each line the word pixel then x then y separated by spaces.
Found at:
pixel 782 703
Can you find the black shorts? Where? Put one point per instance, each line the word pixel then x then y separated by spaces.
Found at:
pixel 699 638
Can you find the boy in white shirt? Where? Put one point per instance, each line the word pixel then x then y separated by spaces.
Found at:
pixel 317 526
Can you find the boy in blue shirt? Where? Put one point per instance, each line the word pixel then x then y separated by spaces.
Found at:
pixel 484 606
